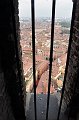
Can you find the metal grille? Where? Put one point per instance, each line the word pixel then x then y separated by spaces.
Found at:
pixel 51 54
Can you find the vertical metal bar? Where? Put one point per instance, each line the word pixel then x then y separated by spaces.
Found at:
pixel 33 48
pixel 67 62
pixel 51 54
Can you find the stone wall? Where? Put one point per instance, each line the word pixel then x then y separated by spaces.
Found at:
pixel 11 72
pixel 6 112
pixel 71 94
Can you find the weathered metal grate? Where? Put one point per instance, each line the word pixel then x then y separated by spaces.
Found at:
pixel 51 54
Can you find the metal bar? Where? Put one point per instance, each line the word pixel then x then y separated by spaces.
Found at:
pixel 67 62
pixel 51 54
pixel 33 48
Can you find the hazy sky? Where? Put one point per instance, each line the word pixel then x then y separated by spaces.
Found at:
pixel 43 8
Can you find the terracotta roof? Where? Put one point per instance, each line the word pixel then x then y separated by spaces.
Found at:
pixel 43 84
pixel 39 58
